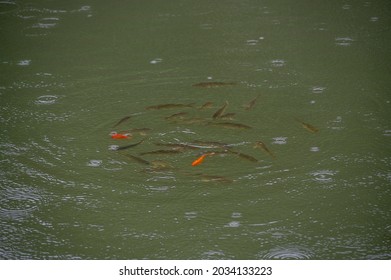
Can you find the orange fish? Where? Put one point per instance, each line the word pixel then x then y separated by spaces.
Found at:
pixel 116 135
pixel 200 159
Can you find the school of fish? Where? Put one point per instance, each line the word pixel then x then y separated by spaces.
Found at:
pixel 199 150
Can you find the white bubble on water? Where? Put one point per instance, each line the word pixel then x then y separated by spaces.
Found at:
pixel 156 60
pixel 94 163
pixel 25 62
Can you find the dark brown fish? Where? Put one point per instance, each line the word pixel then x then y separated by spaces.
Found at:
pixel 262 146
pixel 227 116
pixel 307 126
pixel 169 106
pixel 220 111
pixel 122 120
pixel 251 104
pixel 176 116
pixel 213 84
pixel 161 152
pixel 244 156
pixel 230 125
pixel 129 146
pixel 193 121
pixel 206 105
pixel 138 159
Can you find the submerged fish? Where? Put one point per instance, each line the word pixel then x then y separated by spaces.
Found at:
pixel 169 106
pixel 160 165
pixel 176 116
pixel 251 104
pixel 130 146
pixel 141 131
pixel 307 126
pixel 115 135
pixel 138 159
pixel 199 160
pixel 227 116
pixel 213 144
pixel 230 125
pixel 206 105
pixel 161 152
pixel 244 156
pixel 177 145
pixel 213 84
pixel 220 111
pixel 262 146
pixel 214 178
pixel 122 120
pixel 193 121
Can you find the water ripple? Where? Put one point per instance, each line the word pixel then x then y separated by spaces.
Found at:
pixel 46 100
pixel 343 41
pixel 7 7
pixel 18 201
pixel 289 253
pixel 324 176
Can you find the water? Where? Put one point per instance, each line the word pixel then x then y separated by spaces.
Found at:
pixel 70 71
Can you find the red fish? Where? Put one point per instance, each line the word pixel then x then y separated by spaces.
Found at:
pixel 116 135
pixel 200 159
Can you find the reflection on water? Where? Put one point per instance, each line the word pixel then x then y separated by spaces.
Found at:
pixel 65 182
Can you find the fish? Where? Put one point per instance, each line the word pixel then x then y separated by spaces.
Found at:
pixel 213 84
pixel 138 159
pixel 169 106
pixel 307 126
pixel 212 144
pixel 117 136
pixel 227 116
pixel 141 131
pixel 199 160
pixel 193 121
pixel 251 104
pixel 177 145
pixel 262 146
pixel 243 156
pixel 122 120
pixel 130 146
pixel 206 105
pixel 220 111
pixel 214 178
pixel 176 116
pixel 160 165
pixel 161 152
pixel 231 125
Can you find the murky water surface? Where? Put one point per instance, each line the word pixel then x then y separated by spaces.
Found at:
pixel 297 165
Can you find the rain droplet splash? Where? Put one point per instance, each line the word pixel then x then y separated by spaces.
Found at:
pixel 46 100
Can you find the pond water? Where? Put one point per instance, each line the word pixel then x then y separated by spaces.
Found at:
pixel 309 81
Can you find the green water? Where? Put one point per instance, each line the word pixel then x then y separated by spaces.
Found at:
pixel 70 70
